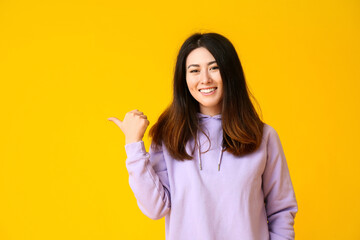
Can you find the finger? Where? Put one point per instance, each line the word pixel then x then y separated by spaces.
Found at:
pixel 135 115
pixel 136 111
pixel 115 120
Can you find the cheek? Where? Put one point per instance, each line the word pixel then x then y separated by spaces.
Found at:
pixel 219 80
pixel 191 84
pixel 218 77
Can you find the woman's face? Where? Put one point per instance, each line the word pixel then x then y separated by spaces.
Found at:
pixel 204 81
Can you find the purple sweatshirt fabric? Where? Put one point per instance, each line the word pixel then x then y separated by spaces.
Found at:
pixel 217 195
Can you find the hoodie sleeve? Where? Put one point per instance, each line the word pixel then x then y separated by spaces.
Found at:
pixel 280 202
pixel 148 179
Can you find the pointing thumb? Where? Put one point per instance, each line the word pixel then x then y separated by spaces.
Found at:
pixel 115 120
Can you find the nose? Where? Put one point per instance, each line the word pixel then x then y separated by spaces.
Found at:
pixel 205 77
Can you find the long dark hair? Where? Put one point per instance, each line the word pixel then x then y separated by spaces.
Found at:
pixel 242 127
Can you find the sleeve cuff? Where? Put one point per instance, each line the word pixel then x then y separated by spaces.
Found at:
pixel 135 149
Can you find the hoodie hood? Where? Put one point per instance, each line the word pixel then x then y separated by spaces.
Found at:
pixel 212 125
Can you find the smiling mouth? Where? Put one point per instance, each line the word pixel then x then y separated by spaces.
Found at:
pixel 207 90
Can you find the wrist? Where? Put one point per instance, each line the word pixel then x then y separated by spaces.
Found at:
pixel 128 141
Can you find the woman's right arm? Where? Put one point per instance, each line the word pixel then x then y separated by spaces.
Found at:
pixel 148 179
pixel 147 171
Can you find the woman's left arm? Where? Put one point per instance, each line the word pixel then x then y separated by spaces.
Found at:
pixel 280 202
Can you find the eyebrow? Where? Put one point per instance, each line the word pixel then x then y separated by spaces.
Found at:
pixel 197 65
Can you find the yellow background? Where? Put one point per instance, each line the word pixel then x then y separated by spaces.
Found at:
pixel 66 66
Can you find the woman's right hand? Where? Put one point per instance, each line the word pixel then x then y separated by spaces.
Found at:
pixel 133 126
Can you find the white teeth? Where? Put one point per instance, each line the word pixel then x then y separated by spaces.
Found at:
pixel 207 90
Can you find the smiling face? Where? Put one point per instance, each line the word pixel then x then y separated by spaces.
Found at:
pixel 204 81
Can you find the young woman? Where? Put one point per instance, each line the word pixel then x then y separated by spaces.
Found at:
pixel 214 169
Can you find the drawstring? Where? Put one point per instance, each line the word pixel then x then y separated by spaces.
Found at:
pixel 220 156
pixel 199 158
pixel 221 152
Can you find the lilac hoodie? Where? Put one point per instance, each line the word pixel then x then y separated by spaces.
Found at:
pixel 217 195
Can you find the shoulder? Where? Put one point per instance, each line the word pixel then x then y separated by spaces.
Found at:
pixel 268 130
pixel 270 134
pixel 154 148
pixel 271 138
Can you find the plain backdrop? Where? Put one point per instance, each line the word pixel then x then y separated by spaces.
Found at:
pixel 66 66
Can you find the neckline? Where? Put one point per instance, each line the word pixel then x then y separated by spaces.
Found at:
pixel 202 115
